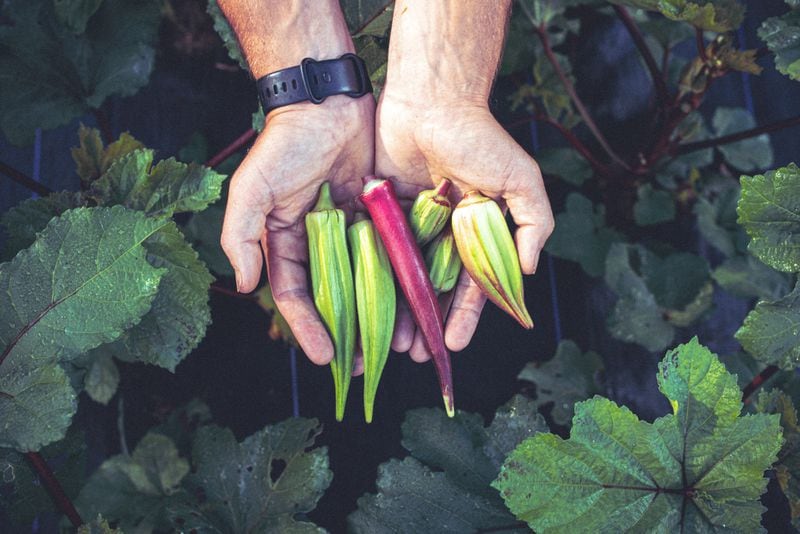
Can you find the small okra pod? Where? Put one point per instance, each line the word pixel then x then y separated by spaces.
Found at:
pixel 489 255
pixel 443 262
pixel 332 286
pixel 430 212
pixel 375 302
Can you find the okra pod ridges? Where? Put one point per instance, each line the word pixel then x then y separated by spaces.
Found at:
pixel 430 212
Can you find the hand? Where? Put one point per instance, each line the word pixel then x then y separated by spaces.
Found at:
pixel 302 146
pixel 462 141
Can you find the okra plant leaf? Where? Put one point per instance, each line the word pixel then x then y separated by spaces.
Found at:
pixel 98 525
pixel 565 163
pixel 223 28
pixel 716 220
pixel 570 376
pixel 787 469
pixel 769 209
pixel 163 189
pixel 132 491
pixel 50 75
pixel 74 14
pixel 23 221
pixel 22 495
pixel 653 206
pixel 747 277
pixel 82 283
pixel 715 15
pixel 443 486
pixel 770 331
pixel 258 485
pixel 102 379
pixel 203 231
pixel 747 155
pixel 359 14
pixel 699 469
pixel 180 313
pixel 636 317
pixel 782 35
pixel 92 159
pixel 581 235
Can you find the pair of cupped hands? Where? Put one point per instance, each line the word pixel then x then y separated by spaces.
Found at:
pixel 344 139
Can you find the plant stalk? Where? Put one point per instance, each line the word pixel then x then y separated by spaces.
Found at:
pixel 235 146
pixel 54 488
pixel 738 136
pixel 24 180
pixel 759 380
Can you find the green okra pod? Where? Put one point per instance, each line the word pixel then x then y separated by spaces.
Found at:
pixel 375 303
pixel 430 212
pixel 443 262
pixel 332 286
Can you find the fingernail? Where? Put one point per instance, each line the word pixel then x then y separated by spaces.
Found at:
pixel 238 278
pixel 535 262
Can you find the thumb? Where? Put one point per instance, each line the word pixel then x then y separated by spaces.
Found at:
pixel 250 200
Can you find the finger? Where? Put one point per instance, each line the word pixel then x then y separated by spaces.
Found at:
pixel 527 201
pixel 418 351
pixel 286 259
pixel 358 363
pixel 250 199
pixel 404 328
pixel 465 312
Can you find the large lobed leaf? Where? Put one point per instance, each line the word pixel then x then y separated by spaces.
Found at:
pixel 23 221
pixel 770 331
pixel 257 485
pixel 444 486
pixel 569 377
pixel 747 155
pixel 133 490
pixel 699 469
pixel 714 15
pixel 769 210
pixel 50 73
pixel 92 159
pixel 782 35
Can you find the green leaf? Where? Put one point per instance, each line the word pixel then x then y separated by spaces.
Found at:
pixel 223 28
pixel 747 155
pixel 93 159
pixel 98 526
pixel 132 491
pixel 543 12
pixel 258 485
pixel 566 163
pixel 444 485
pixel 259 120
pixel 653 206
pixel 74 14
pixel 82 283
pixel 636 317
pixel 769 209
pixel 203 231
pixel 25 220
pixel 676 279
pixel 700 469
pixel 22 495
pixel 180 313
pixel 787 468
pixel 164 189
pixel 716 220
pixel 102 379
pixel 49 75
pixel 747 277
pixel 770 332
pixel 570 376
pixel 360 13
pixel 580 234
pixel 714 15
pixel 782 35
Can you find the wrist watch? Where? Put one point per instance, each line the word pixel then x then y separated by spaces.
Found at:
pixel 314 81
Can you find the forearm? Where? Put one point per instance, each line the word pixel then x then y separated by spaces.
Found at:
pixel 276 34
pixel 450 48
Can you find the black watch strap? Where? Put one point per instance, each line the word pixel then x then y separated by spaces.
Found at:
pixel 314 81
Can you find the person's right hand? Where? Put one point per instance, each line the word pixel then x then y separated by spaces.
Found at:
pixel 302 146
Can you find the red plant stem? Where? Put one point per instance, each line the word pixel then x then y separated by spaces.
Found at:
pixel 235 146
pixel 53 487
pixel 104 124
pixel 658 78
pixel 541 31
pixel 24 180
pixel 738 136
pixel 758 381
pixel 412 275
pixel 701 44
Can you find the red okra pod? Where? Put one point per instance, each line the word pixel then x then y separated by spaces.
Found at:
pixel 412 275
